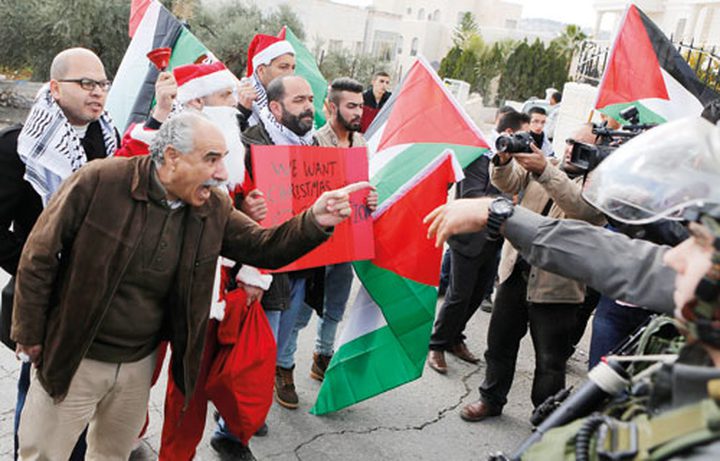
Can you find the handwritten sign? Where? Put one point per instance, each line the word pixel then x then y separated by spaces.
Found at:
pixel 293 177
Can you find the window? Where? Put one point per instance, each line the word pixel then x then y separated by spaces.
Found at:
pixel 414 46
pixel 511 23
pixel 436 15
pixel 409 11
pixel 421 14
pixel 680 29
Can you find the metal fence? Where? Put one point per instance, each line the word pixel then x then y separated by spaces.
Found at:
pixel 592 58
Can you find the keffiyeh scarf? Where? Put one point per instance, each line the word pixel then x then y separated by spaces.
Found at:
pixel 50 147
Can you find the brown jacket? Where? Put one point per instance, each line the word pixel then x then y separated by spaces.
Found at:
pixel 78 252
pixel 543 286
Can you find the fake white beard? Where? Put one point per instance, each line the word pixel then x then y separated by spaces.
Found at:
pixel 226 119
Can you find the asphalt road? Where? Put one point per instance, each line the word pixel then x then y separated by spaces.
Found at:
pixel 418 421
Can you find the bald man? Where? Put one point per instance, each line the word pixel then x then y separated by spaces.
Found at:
pixel 67 126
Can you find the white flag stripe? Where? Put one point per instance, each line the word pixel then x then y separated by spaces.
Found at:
pixel 365 317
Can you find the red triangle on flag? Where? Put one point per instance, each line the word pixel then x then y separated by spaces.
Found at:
pixel 401 243
pixel 137 11
pixel 633 71
pixel 423 113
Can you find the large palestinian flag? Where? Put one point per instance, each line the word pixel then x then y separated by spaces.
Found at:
pixel 306 67
pixel 133 91
pixel 645 70
pixel 418 144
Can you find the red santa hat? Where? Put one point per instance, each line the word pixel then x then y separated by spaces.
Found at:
pixel 265 48
pixel 198 80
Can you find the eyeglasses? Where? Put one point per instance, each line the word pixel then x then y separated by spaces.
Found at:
pixel 89 84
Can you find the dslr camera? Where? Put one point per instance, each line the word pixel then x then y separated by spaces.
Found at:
pixel 514 144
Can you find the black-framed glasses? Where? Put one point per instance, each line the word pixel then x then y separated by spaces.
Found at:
pixel 89 84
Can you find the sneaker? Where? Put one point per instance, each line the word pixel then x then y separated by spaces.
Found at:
pixel 231 450
pixel 285 388
pixel 319 365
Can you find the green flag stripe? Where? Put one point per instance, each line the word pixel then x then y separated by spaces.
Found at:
pixel 186 50
pixel 366 366
pixel 408 306
pixel 408 163
pixel 305 66
pixel 646 115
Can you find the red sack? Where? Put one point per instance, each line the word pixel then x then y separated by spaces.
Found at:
pixel 240 382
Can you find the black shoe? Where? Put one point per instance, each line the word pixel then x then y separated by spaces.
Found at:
pixel 231 450
pixel 263 431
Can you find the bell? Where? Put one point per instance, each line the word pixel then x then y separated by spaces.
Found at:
pixel 160 57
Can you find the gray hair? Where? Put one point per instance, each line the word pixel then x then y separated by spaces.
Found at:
pixel 177 132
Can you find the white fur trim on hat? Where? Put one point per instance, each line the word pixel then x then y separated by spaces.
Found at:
pixel 206 85
pixel 273 51
pixel 252 276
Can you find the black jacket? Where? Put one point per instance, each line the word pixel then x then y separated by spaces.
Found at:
pixel 476 184
pixel 20 207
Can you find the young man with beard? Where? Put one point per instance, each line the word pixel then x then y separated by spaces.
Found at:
pixel 345 104
pixel 163 223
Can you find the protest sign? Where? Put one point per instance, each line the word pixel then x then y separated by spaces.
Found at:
pixel 293 177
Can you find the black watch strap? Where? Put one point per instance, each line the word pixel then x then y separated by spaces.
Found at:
pixel 496 218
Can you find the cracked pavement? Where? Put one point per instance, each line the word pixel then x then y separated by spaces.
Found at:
pixel 417 421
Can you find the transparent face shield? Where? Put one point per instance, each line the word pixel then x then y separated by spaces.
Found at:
pixel 659 173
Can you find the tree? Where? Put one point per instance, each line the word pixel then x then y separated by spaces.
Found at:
pixel 570 40
pixel 34 31
pixel 449 63
pixel 342 63
pixel 466 29
pixel 530 69
pixel 228 29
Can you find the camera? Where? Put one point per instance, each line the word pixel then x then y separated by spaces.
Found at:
pixel 588 156
pixel 514 144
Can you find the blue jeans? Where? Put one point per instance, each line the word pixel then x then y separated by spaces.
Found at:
pixel 286 331
pixel 338 281
pixel 611 325
pixel 274 321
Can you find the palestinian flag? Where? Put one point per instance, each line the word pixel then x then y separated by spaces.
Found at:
pixel 645 70
pixel 132 94
pixel 419 143
pixel 306 67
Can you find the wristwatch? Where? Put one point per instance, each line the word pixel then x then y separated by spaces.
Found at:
pixel 500 209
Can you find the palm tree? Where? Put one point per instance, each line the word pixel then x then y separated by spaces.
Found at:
pixel 570 41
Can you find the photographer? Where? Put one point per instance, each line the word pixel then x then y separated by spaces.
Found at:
pixel 679 174
pixel 528 296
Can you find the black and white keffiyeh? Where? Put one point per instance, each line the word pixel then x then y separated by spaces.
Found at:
pixel 50 147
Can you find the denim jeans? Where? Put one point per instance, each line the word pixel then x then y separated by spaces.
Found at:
pixel 274 321
pixel 338 280
pixel 552 328
pixel 611 325
pixel 287 336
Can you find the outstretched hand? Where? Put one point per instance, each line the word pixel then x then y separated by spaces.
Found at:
pixel 332 207
pixel 457 217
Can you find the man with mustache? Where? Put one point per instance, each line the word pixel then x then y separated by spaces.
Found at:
pixel 123 243
pixel 345 104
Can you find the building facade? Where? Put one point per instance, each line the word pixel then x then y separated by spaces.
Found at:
pixel 395 31
pixel 684 20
